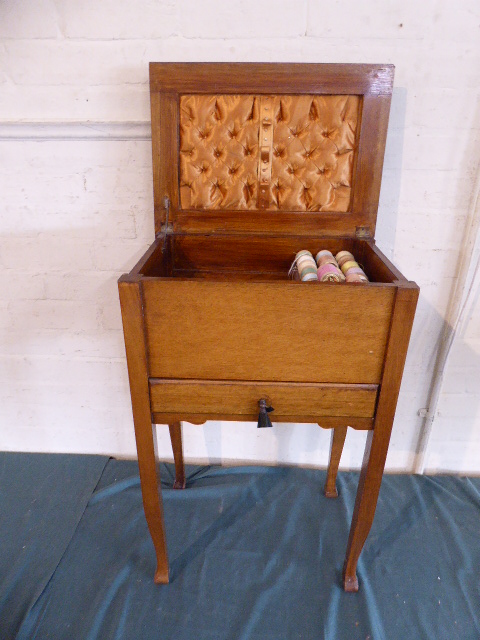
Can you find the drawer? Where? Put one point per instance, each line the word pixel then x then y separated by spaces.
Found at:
pixel 290 401
pixel 266 331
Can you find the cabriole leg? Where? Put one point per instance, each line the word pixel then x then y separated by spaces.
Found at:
pixel 176 438
pixel 379 438
pixel 152 497
pixel 336 448
pixel 365 504
pixel 132 317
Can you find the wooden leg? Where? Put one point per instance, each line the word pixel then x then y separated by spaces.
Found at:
pixel 336 448
pixel 365 504
pixel 132 317
pixel 152 497
pixel 378 439
pixel 176 438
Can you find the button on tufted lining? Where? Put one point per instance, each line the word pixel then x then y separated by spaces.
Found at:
pixel 293 153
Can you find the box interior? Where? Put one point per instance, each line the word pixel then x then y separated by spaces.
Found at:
pixel 251 258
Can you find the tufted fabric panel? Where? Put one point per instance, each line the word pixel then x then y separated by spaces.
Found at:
pixel 307 150
pixel 218 152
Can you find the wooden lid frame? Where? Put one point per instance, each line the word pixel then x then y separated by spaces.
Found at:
pixel 168 81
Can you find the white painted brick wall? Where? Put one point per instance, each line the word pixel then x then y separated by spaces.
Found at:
pixel 75 213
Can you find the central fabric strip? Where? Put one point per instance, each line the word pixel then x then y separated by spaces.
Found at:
pixel 265 145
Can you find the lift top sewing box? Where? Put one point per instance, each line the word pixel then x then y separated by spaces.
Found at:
pixel 251 164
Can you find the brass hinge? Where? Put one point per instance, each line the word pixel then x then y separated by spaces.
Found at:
pixel 167 227
pixel 363 233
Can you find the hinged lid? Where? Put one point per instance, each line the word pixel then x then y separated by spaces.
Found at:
pixel 268 148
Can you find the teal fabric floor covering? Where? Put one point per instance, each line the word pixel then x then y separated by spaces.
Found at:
pixel 42 500
pixel 255 553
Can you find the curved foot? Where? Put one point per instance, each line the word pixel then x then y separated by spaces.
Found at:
pixel 161 576
pixel 331 493
pixel 350 584
pixel 336 448
pixel 176 437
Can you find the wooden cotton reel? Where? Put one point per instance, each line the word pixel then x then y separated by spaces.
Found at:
pixel 350 267
pixel 305 265
pixel 328 269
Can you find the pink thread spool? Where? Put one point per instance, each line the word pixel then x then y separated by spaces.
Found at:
pixel 325 259
pixel 329 273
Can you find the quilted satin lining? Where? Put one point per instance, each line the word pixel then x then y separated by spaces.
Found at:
pixel 310 161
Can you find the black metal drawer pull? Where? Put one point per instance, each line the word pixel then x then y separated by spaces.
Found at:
pixel 263 418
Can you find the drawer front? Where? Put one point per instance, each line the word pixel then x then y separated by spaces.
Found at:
pixel 266 331
pixel 290 400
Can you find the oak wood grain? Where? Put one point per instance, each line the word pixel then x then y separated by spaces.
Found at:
pixel 212 324
pixel 264 77
pixel 336 448
pixel 168 81
pixel 332 224
pixel 377 262
pixel 247 256
pixel 164 108
pixel 175 429
pixel 378 439
pixel 369 159
pixel 132 317
pixel 325 422
pixel 241 398
pixel 266 331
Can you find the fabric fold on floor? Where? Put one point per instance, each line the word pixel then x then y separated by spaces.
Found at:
pixel 42 500
pixel 256 554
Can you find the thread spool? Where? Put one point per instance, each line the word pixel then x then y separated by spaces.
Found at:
pixel 354 270
pixel 326 267
pixel 349 264
pixel 323 252
pixel 293 271
pixel 344 256
pixel 303 252
pixel 308 273
pixel 309 277
pixel 324 255
pixel 356 277
pixel 325 258
pixel 329 273
pixel 304 260
pixel 305 266
pixel 350 267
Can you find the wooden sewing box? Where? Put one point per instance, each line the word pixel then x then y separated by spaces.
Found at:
pixel 252 163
